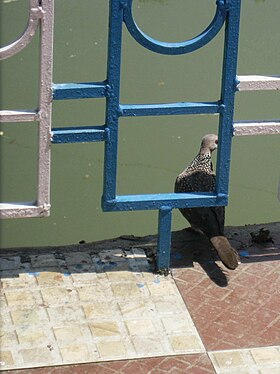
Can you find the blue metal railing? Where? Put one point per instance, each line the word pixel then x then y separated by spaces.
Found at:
pixel 228 14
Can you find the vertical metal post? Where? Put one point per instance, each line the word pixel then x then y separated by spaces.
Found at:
pixel 164 239
pixel 45 104
pixel 227 96
pixel 112 100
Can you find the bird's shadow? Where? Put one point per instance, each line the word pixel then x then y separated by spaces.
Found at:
pixel 189 246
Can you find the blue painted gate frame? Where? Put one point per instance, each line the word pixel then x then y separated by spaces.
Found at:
pixel 228 13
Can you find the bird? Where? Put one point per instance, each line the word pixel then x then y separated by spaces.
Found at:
pixel 199 176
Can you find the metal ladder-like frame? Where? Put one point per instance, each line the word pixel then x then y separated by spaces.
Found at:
pixel 228 14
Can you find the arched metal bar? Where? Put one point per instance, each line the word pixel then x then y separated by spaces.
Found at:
pixel 35 13
pixel 181 47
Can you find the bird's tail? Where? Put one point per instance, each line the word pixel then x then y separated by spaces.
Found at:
pixel 226 252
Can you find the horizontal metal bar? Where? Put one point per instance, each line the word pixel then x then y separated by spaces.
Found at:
pixel 258 82
pixel 23 210
pixel 18 116
pixel 63 91
pixel 256 128
pixel 158 201
pixel 127 110
pixel 78 134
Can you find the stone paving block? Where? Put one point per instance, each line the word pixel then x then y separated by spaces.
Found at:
pixel 67 334
pixel 39 356
pixel 20 298
pixel 121 275
pixel 168 305
pixel 137 308
pixel 33 336
pixel 266 356
pixel 65 313
pixel 16 279
pixel 231 360
pixel 8 339
pixel 83 274
pixel 77 353
pixel 160 287
pixel 106 328
pixel 10 263
pixel 113 255
pixel 32 316
pixel 78 258
pixel 251 361
pixel 43 261
pixel 111 349
pixel 55 295
pixel 127 290
pixel 181 323
pixel 140 327
pixel 6 358
pixel 98 291
pixel 183 343
pixel 144 345
pixel 49 278
pixel 98 309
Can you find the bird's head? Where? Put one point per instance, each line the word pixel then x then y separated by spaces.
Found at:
pixel 209 143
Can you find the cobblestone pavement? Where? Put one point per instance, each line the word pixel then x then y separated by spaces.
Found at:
pixel 98 307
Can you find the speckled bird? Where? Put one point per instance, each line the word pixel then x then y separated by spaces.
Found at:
pixel 200 177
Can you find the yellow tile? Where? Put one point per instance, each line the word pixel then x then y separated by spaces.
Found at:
pixel 104 329
pixel 22 316
pixel 126 290
pixel 54 295
pixel 162 287
pixel 31 336
pixel 144 345
pixel 19 298
pixel 111 349
pixel 185 343
pixel 38 355
pixel 67 334
pixel 65 313
pixel 95 310
pixel 7 339
pixel 49 278
pixel 137 308
pixel 140 327
pixel 119 276
pixel 180 324
pixel 75 353
pixel 6 359
pixel 229 359
pixel 266 355
pixel 20 281
pixel 93 292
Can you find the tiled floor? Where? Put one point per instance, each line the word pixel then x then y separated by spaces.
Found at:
pixel 107 311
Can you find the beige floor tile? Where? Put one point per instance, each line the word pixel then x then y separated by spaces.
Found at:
pixel 6 358
pixel 39 356
pixel 109 349
pixel 186 343
pixel 20 298
pixel 67 334
pixel 76 353
pixel 49 278
pixel 31 336
pixel 144 345
pixel 140 327
pixel 97 309
pixel 106 328
pixel 266 355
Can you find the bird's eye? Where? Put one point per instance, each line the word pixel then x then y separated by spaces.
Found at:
pixel 216 141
